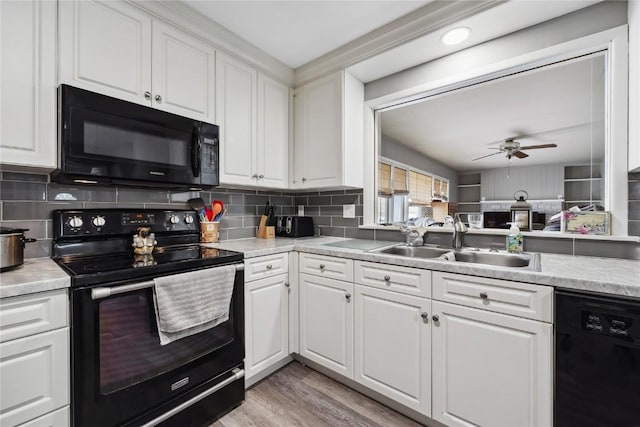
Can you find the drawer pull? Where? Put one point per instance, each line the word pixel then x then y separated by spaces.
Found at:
pixel 348 296
pixel 322 266
pixel 483 295
pixel 387 278
pixel 269 266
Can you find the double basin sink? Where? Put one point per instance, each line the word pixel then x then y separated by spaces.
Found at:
pixel 476 256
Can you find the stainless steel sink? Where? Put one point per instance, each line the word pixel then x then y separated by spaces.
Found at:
pixel 415 251
pixel 530 261
pixel 494 258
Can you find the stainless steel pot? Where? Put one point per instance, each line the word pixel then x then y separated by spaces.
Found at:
pixel 12 242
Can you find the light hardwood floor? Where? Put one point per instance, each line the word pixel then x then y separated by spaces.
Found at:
pixel 299 396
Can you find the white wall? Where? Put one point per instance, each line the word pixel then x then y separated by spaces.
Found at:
pixel 394 150
pixel 593 19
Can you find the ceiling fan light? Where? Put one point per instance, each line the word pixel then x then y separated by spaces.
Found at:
pixel 455 35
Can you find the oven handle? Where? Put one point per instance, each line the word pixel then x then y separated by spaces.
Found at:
pixel 102 292
pixel 237 373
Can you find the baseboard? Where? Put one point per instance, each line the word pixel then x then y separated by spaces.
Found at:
pixel 250 382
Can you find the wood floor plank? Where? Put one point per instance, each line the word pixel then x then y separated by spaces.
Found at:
pixel 299 396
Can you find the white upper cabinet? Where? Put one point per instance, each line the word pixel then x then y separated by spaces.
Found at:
pixel 105 47
pixel 183 72
pixel 236 105
pixel 273 133
pixel 253 114
pixel 329 133
pixel 28 91
pixel 115 49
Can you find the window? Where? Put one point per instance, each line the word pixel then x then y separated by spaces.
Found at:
pixel 404 192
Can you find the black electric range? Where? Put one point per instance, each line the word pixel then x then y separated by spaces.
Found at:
pixel 121 374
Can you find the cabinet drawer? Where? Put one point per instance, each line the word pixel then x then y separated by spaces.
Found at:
pixel 413 281
pixel 35 376
pixel 327 266
pixel 265 266
pixel 502 296
pixel 31 314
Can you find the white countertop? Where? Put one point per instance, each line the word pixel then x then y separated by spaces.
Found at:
pixel 605 275
pixel 35 275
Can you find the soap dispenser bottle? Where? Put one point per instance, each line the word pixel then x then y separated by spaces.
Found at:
pixel 515 241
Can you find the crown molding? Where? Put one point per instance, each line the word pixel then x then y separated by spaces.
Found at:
pixel 191 21
pixel 427 19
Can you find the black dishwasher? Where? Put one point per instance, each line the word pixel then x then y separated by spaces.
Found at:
pixel 597 361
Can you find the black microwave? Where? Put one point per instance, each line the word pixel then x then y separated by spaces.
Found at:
pixel 103 140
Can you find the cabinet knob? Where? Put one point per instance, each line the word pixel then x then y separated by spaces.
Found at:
pixel 158 99
pixel 348 296
pixel 425 316
pixel 387 278
pixel 484 295
pixel 269 267
pixel 322 266
pixel 147 95
pixel 254 176
pixel 261 176
pixel 435 318
pixel 304 179
pixel 287 284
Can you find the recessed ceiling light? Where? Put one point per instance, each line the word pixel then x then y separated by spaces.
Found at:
pixel 455 36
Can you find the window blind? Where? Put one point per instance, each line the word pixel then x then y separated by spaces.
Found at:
pixel 384 179
pixel 419 188
pixel 399 180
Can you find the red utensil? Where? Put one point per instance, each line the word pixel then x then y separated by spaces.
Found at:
pixel 216 208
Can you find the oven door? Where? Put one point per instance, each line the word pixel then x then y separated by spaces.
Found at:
pixel 120 370
pixel 104 139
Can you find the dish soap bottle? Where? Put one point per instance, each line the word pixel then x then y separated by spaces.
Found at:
pixel 515 241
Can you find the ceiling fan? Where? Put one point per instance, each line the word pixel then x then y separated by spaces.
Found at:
pixel 513 148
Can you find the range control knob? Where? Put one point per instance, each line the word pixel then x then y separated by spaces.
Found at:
pixel 173 219
pixel 75 222
pixel 188 219
pixel 99 221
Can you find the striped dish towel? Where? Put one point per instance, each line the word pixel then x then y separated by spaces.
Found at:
pixel 189 303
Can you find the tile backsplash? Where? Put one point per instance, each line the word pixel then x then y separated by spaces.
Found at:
pixel 27 200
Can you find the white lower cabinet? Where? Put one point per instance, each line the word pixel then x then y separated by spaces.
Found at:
pixel 35 376
pixel 326 322
pixel 266 323
pixel 490 369
pixel 393 346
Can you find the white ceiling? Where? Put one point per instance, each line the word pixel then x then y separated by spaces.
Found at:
pixel 554 104
pixel 296 32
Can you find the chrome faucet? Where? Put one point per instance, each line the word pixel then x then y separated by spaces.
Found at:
pixel 459 229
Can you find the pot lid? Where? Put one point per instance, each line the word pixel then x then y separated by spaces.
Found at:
pixel 8 230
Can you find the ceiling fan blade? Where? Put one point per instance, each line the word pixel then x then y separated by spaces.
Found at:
pixel 533 147
pixel 519 154
pixel 488 155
